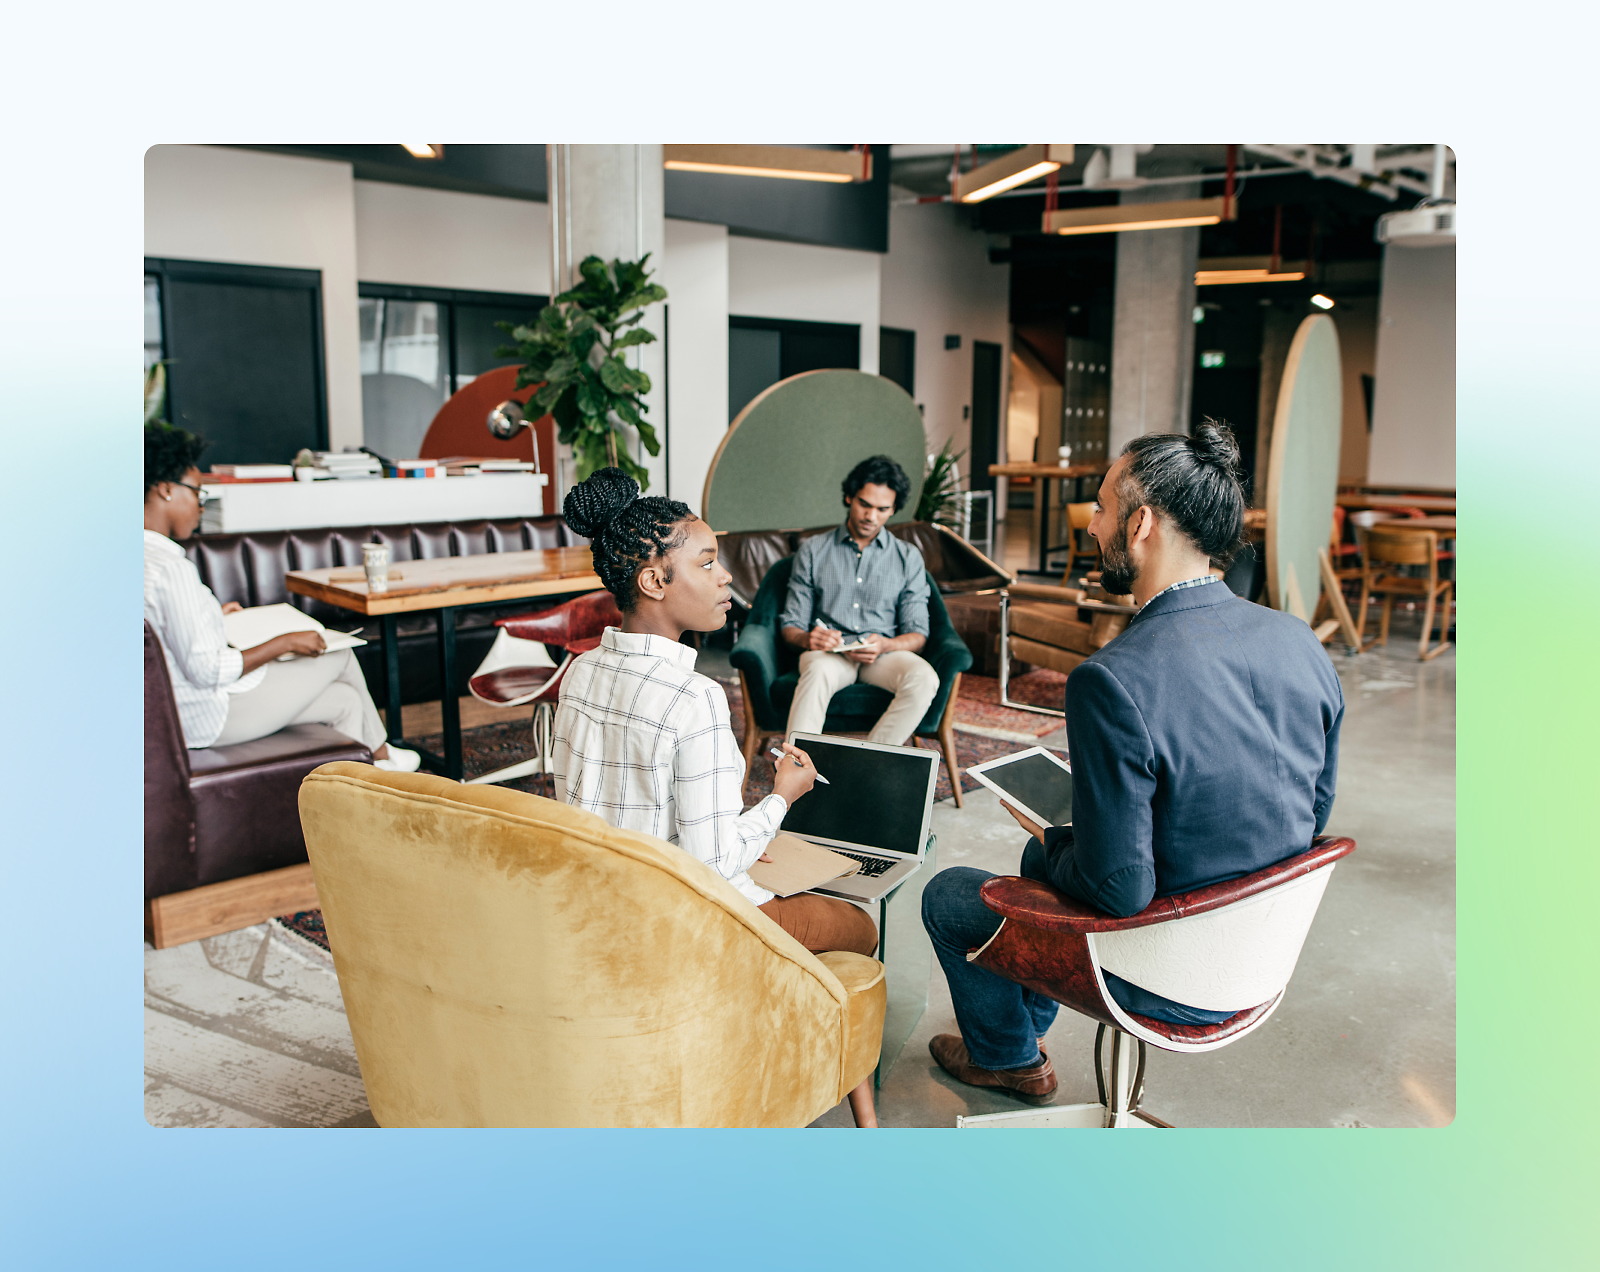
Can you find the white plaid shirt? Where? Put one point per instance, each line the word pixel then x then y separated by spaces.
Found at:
pixel 644 741
pixel 1178 587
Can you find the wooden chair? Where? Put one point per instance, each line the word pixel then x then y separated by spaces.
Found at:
pixel 1230 946
pixel 1386 549
pixel 1078 516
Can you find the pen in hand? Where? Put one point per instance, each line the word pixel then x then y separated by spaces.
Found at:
pixel 778 755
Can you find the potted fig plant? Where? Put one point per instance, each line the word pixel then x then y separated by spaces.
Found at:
pixel 574 351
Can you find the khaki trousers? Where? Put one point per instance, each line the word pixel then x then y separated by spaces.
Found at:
pixel 824 923
pixel 328 689
pixel 910 678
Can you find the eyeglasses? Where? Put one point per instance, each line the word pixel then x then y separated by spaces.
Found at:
pixel 201 494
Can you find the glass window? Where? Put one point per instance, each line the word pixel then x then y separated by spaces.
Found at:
pixel 477 337
pixel 405 373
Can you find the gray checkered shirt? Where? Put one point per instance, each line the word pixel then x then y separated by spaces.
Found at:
pixel 1178 587
pixel 883 589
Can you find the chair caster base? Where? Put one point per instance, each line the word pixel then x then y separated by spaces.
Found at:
pixel 528 768
pixel 1083 1117
pixel 1116 1109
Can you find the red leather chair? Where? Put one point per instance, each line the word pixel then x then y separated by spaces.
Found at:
pixel 519 668
pixel 1229 945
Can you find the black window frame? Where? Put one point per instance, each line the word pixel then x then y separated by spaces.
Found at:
pixel 165 269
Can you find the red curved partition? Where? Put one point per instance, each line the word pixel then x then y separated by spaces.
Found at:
pixel 462 428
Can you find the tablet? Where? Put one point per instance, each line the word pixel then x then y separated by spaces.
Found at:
pixel 1037 782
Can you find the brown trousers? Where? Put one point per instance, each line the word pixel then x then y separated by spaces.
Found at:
pixel 824 923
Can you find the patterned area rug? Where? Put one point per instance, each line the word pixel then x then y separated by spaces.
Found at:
pixel 978 709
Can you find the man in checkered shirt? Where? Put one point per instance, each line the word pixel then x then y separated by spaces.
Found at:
pixel 867 592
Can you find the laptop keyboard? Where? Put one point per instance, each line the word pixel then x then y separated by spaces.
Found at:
pixel 871 867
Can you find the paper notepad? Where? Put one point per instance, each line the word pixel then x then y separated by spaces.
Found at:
pixel 248 628
pixel 797 866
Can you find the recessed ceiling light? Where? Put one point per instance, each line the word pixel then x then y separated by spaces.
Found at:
pixel 423 150
pixel 1321 301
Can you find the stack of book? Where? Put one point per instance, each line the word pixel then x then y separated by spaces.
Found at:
pixel 474 465
pixel 417 468
pixel 341 466
pixel 223 474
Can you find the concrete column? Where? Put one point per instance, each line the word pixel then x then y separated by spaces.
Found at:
pixel 1152 343
pixel 606 201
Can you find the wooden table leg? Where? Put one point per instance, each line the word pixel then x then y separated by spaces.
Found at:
pixel 391 678
pixel 449 704
pixel 1043 487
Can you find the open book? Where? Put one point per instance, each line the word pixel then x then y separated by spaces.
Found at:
pixel 248 628
pixel 797 866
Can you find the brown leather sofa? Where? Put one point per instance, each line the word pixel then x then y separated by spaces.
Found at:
pixel 222 812
pixel 249 568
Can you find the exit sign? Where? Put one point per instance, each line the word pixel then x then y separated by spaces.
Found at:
pixel 1213 358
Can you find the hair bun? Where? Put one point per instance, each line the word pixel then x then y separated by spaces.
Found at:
pixel 592 505
pixel 1215 444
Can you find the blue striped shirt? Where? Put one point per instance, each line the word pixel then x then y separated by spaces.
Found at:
pixel 883 589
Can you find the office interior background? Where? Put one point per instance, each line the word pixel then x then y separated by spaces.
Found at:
pixel 359 288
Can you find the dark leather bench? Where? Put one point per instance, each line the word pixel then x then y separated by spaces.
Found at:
pixel 249 568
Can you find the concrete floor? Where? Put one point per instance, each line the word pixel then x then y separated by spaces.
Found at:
pixel 248 1029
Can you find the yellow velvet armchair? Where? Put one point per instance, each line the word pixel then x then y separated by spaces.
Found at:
pixel 506 960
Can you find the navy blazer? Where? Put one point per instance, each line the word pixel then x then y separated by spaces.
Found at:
pixel 1204 743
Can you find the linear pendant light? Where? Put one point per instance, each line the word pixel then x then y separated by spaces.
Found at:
pixel 1016 167
pixel 1216 277
pixel 791 163
pixel 1138 216
pixel 1213 271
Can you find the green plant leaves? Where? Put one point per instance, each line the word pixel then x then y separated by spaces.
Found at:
pixel 573 349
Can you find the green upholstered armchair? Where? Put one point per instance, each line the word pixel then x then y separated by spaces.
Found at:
pixel 769 671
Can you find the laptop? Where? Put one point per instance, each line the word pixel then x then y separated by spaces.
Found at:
pixel 876 808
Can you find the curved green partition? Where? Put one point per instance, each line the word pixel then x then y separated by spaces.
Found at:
pixel 1303 471
pixel 781 463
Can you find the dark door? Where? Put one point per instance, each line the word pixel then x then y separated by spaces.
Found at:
pixel 244 350
pixel 762 351
pixel 985 447
pixel 897 357
pixel 1231 395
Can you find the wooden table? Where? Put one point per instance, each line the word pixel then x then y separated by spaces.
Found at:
pixel 1428 503
pixel 1445 526
pixel 1044 474
pixel 444 585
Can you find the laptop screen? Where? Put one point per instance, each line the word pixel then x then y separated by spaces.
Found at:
pixel 876 799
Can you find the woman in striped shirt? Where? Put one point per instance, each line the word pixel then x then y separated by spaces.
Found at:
pixel 225 695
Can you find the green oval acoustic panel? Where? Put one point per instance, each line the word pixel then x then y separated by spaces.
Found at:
pixel 780 465
pixel 1303 471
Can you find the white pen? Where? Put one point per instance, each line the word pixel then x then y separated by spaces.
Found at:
pixel 778 755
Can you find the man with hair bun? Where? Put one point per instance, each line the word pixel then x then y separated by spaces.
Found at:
pixel 1204 743
pixel 859 587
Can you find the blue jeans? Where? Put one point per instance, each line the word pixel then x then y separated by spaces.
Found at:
pixel 1000 1021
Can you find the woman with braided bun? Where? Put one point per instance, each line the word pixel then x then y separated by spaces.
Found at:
pixel 644 740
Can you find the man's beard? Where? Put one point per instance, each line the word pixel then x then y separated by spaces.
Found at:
pixel 1117 572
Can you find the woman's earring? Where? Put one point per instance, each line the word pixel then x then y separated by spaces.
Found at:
pixel 168 498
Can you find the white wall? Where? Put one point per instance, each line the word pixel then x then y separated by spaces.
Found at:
pixel 442 238
pixel 1414 398
pixel 768 279
pixel 937 281
pixel 694 270
pixel 208 203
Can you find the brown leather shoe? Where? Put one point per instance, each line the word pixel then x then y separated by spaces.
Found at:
pixel 1035 1084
